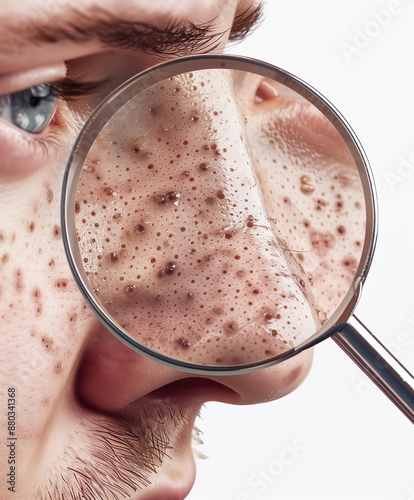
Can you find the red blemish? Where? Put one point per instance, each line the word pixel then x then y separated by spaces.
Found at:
pixel 18 283
pixel 322 242
pixel 37 298
pixel 62 284
pixel 350 263
pixel 47 342
pixel 56 231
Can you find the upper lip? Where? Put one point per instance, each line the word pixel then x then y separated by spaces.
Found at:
pixel 174 413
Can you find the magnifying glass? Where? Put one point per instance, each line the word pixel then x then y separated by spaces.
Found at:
pixel 219 216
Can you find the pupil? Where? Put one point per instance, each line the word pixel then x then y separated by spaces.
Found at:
pixel 34 101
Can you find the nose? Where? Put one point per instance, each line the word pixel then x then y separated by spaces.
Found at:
pixel 177 243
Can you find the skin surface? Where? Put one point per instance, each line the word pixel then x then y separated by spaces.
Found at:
pixel 197 243
pixel 94 417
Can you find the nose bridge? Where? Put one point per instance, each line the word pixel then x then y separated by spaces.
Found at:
pixel 175 235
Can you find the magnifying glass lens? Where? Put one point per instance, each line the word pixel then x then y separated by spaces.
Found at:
pixel 220 218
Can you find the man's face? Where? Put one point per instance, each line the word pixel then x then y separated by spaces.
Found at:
pixel 96 419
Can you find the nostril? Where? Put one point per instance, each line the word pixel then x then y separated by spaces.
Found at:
pixel 265 91
pixel 198 388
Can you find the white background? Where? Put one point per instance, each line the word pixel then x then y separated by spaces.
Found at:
pixel 348 440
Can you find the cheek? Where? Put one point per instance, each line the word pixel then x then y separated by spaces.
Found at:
pixel 41 312
pixel 175 238
pixel 311 185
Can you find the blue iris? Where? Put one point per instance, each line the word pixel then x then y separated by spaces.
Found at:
pixel 30 109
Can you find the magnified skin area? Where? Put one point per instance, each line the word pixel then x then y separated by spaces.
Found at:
pixel 180 248
pixel 194 242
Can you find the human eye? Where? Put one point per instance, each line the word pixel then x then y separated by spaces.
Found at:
pixel 31 109
pixel 36 122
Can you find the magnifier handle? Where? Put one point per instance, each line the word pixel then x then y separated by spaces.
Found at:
pixel 378 363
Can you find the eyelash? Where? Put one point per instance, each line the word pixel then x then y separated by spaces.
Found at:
pixel 68 89
pixel 65 89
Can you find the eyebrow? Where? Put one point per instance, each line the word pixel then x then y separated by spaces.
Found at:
pixel 173 39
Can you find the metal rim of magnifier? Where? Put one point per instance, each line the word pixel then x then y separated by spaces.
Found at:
pixel 142 82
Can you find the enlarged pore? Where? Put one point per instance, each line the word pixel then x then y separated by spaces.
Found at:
pixel 175 236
